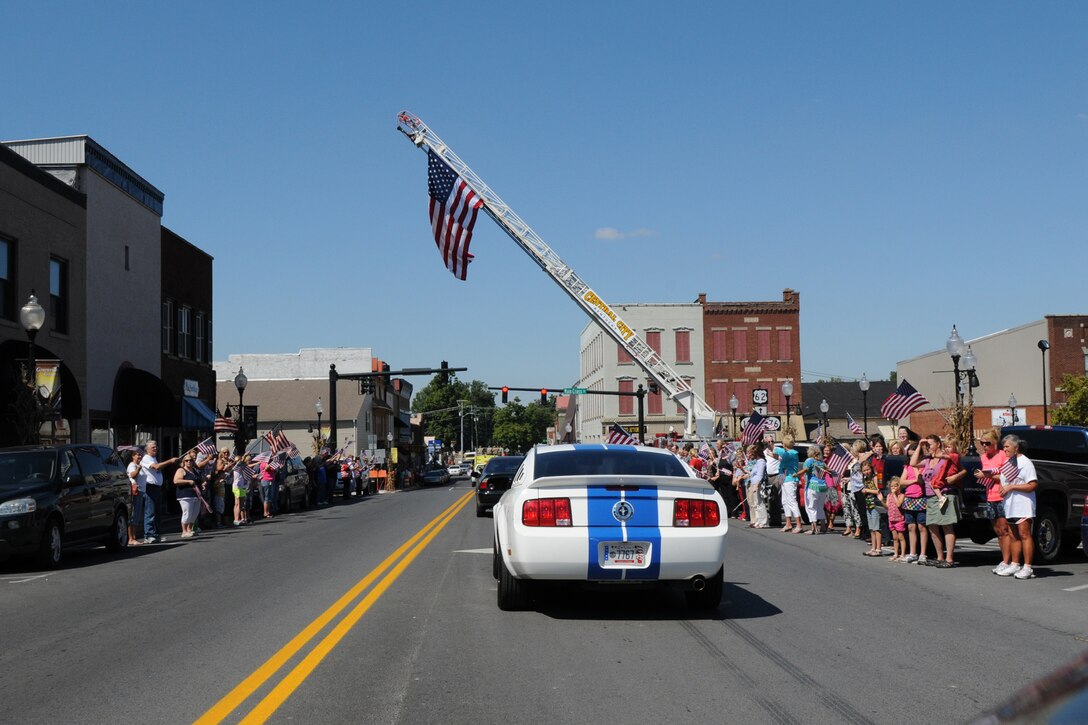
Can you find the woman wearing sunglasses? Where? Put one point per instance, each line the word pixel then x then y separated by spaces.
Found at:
pixel 185 482
pixel 992 458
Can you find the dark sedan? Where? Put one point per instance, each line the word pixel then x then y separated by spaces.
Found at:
pixel 436 476
pixel 495 481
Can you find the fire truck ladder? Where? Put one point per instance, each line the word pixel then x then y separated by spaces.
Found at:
pixel 700 416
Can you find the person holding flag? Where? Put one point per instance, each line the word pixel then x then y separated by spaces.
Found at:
pixel 186 480
pixel 242 476
pixel 1018 484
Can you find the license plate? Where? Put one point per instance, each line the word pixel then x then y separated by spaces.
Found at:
pixel 624 554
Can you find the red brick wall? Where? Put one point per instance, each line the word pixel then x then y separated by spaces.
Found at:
pixel 1066 353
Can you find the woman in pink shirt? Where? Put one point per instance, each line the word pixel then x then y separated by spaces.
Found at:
pixel 992 458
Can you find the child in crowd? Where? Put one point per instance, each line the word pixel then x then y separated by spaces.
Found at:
pixel 815 489
pixel 871 490
pixel 896 522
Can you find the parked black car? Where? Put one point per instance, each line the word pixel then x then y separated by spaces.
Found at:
pixel 436 476
pixel 495 481
pixel 54 497
pixel 295 488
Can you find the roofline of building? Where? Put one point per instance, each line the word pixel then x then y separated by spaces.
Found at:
pixel 182 239
pixel 28 169
pixel 974 340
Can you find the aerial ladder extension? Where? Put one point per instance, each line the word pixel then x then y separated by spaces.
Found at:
pixel 700 416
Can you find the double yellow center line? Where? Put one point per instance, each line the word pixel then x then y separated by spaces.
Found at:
pixel 276 697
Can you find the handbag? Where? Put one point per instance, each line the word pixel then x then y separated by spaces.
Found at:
pixel 913 504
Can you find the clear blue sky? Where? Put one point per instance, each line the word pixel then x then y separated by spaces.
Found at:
pixel 906 166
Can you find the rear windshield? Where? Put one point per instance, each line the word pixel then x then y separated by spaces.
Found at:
pixel 607 463
pixel 25 467
pixel 506 464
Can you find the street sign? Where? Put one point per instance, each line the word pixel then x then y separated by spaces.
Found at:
pixel 760 396
pixel 773 422
pixel 574 391
pixel 761 409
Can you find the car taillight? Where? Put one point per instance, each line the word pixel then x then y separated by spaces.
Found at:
pixel 546 512
pixel 483 484
pixel 695 512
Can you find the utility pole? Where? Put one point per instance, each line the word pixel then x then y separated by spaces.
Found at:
pixel 461 413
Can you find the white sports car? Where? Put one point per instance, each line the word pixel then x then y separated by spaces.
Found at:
pixel 608 513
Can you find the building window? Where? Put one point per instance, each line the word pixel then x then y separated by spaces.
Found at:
pixel 185 332
pixel 718 341
pixel 785 345
pixel 653 403
pixel 743 391
pixel 627 403
pixel 763 345
pixel 681 410
pixel 622 356
pixel 168 327
pixel 208 356
pixel 199 349
pixel 683 346
pixel 653 339
pixel 721 395
pixel 58 294
pixel 740 346
pixel 7 279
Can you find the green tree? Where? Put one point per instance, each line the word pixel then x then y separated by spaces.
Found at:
pixel 442 404
pixel 1074 411
pixel 894 377
pixel 518 427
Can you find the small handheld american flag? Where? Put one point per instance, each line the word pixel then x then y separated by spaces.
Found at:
pixel 840 460
pixel 902 402
pixel 1010 471
pixel 618 436
pixel 853 425
pixel 753 429
pixel 206 447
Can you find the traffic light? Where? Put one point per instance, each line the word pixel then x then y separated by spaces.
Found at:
pixel 445 375
pixel 505 394
pixel 543 396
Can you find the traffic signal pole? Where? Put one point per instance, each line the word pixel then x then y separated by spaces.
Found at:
pixel 640 394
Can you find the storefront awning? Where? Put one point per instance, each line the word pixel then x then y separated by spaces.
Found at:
pixel 195 415
pixel 141 398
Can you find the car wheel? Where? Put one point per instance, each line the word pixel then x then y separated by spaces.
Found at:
pixel 513 592
pixel 480 511
pixel 118 538
pixel 51 550
pixel 710 597
pixel 1047 534
pixel 496 560
pixel 285 505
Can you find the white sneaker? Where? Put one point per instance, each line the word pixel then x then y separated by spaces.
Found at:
pixel 1009 570
pixel 1026 572
pixel 1000 568
pixel 921 561
pixel 911 558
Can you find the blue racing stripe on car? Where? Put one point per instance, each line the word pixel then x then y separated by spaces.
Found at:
pixel 642 526
pixel 600 502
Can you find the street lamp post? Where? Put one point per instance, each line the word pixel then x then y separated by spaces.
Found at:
pixel 824 407
pixel 787 393
pixel 733 405
pixel 240 381
pixel 319 408
pixel 32 317
pixel 956 348
pixel 568 438
pixel 1012 407
pixel 864 385
pixel 1043 347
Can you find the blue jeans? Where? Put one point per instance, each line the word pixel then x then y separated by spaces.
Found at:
pixel 152 504
pixel 138 508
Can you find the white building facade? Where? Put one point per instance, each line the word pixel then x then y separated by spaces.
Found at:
pixel 674 331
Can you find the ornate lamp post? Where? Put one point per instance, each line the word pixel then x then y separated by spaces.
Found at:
pixel 240 381
pixel 787 393
pixel 1043 347
pixel 319 409
pixel 1012 407
pixel 864 385
pixel 568 438
pixel 824 407
pixel 956 348
pixel 32 317
pixel 733 405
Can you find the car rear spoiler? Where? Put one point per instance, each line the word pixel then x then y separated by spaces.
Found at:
pixel 685 483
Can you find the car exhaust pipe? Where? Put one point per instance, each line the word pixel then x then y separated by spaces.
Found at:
pixel 698 583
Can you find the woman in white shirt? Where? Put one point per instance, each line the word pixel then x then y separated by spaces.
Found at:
pixel 1018 484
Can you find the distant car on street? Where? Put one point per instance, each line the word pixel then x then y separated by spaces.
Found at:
pixel 458 470
pixel 436 476
pixel 55 497
pixel 495 480
pixel 608 514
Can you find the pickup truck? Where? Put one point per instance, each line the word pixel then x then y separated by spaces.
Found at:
pixel 1060 455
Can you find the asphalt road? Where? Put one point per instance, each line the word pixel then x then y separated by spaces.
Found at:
pixel 364 613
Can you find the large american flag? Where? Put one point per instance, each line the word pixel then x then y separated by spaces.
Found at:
pixel 853 425
pixel 454 206
pixel 618 436
pixel 902 402
pixel 753 429
pixel 223 424
pixel 840 460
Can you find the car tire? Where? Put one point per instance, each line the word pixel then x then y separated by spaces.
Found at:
pixel 496 560
pixel 710 597
pixel 118 538
pixel 51 550
pixel 513 592
pixel 480 511
pixel 1047 533
pixel 285 505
